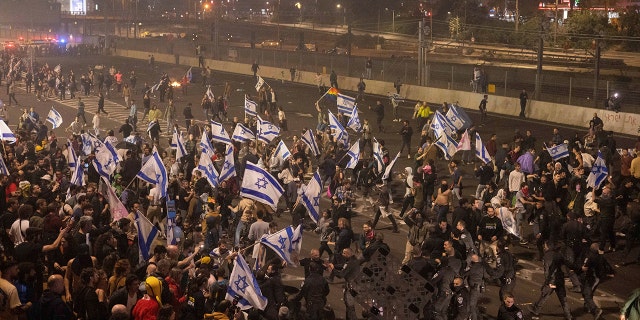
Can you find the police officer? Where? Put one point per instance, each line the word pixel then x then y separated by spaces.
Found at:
pixel 314 291
pixel 314 260
pixel 508 309
pixel 594 268
pixel 505 269
pixel 475 275
pixel 442 280
pixel 348 273
pixel 554 280
pixel 541 229
pixel 459 305
pixel 574 240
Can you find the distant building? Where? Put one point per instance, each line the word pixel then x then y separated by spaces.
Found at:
pixel 30 13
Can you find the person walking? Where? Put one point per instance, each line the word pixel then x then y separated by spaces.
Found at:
pixel 379 110
pixel 349 273
pixel 631 308
pixel 254 68
pixel 368 66
pixel 554 280
pixel 406 132
pixel 101 103
pixel 11 90
pixel 186 112
pixel 80 113
pixel 523 102
pixel 361 87
pixel 333 79
pixel 483 108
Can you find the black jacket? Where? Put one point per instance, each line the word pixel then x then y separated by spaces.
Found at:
pixel 53 308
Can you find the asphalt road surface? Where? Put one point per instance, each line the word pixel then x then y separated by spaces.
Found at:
pixel 298 102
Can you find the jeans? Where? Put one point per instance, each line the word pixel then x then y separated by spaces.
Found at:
pixel 239 228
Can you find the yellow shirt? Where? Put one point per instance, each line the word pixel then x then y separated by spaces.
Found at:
pixel 155 115
pixel 635 167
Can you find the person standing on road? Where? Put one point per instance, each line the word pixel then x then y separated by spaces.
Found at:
pixel 348 273
pixel 483 108
pixel 133 115
pixel 523 102
pixel 406 132
pixel 554 280
pixel 361 87
pixel 379 110
pixel 186 112
pixel 505 268
pixel 368 65
pixel 254 68
pixel 101 103
pixel 333 79
pixel 80 113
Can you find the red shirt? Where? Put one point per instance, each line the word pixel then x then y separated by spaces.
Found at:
pixel 146 309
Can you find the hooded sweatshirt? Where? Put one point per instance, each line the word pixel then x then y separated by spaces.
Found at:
pixel 409 181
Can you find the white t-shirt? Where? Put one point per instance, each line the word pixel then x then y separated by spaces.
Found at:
pixel 8 300
pixel 18 231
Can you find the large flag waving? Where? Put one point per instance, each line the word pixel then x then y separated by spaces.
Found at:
pixel 250 107
pixel 282 151
pixel 311 196
pixel 154 172
pixel 310 140
pixel 465 142
pixel 210 94
pixel 242 133
pixel 178 143
pixel 206 167
pixel 457 117
pixel 339 133
pixel 354 154
pixel 219 134
pixel 259 185
pixel 481 151
pixel 377 155
pixel 354 120
pixel 77 168
pixel 345 104
pixel 267 131
pixel 558 152
pixel 55 118
pixel 447 145
pixel 3 167
pixel 598 174
pixel 107 158
pixel 205 144
pixel 147 234
pixel 508 221
pixel 387 170
pixel 190 75
pixel 286 243
pixel 228 169
pixel 243 285
pixel 5 133
pixel 117 209
pixel 260 83
pixel 441 125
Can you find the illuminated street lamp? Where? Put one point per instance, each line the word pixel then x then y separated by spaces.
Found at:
pixel 299 6
pixel 344 9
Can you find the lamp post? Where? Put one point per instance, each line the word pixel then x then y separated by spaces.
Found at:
pixel 344 9
pixel 299 6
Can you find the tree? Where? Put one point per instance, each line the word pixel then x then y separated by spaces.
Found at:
pixel 627 26
pixel 583 26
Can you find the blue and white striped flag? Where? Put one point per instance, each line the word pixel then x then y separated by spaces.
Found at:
pixel 441 126
pixel 177 143
pixel 55 118
pixel 242 133
pixel 339 133
pixel 3 167
pixel 282 151
pixel 208 170
pixel 387 170
pixel 228 169
pixel 559 151
pixel 151 125
pixel 210 94
pixel 6 133
pixel 147 234
pixel 345 104
pixel 310 140
pixel 354 153
pixel 377 155
pixel 106 158
pixel 190 75
pixel 311 196
pixel 154 172
pixel 267 131
pixel 250 107
pixel 219 134
pixel 205 144
pixel 259 84
pixel 458 118
pixel 76 167
pixel 243 284
pixel 286 243
pixel 447 145
pixel 354 120
pixel 259 185
pixel 598 174
pixel 481 151
pixel 89 143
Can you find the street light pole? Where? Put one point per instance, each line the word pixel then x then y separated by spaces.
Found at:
pixel 393 20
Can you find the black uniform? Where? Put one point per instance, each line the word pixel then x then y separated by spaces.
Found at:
pixel 442 280
pixel 314 291
pixel 459 305
pixel 594 268
pixel 348 273
pixel 475 278
pixel 511 313
pixel 554 281
pixel 505 271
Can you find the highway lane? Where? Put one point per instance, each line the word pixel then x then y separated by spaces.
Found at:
pixel 298 103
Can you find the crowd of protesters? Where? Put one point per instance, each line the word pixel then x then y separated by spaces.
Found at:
pixel 65 257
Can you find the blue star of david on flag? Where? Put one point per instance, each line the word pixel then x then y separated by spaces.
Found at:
pixel 262 183
pixel 283 242
pixel 241 283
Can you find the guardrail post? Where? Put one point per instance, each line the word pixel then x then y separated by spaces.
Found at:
pixel 506 73
pixel 405 72
pixel 451 83
pixel 427 76
pixel 570 88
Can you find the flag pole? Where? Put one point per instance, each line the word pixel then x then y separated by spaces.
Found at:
pixel 322 96
pixel 130 182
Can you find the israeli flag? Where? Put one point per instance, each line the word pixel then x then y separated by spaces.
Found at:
pixel 339 133
pixel 88 143
pixel 441 126
pixel 147 234
pixel 310 140
pixel 354 153
pixel 54 118
pixel 559 151
pixel 107 158
pixel 219 134
pixel 242 133
pixel 190 75
pixel 481 151
pixel 250 107
pixel 267 131
pixel 286 243
pixel 354 120
pixel 447 145
pixel 508 221
pixel 151 125
pixel 377 155
pixel 259 185
pixel 76 167
pixel 208 170
pixel 387 170
pixel 598 174
pixel 3 167
pixel 206 146
pixel 282 151
pixel 154 172
pixel 311 196
pixel 210 94
pixel 7 134
pixel 345 104
pixel 457 118
pixel 260 83
pixel 177 143
pixel 243 284
pixel 228 169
